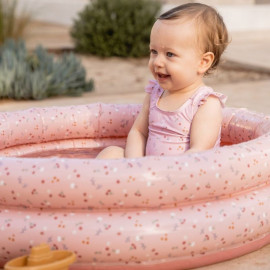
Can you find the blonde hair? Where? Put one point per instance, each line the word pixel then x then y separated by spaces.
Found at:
pixel 212 32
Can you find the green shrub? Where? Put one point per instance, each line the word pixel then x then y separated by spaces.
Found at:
pixel 115 27
pixel 38 75
pixel 12 24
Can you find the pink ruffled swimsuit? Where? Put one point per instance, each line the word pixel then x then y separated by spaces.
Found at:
pixel 169 132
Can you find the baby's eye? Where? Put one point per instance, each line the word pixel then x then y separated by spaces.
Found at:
pixel 152 51
pixel 170 54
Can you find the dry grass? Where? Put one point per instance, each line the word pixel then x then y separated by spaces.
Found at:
pixel 12 24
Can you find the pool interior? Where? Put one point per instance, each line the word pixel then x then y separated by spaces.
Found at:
pixel 66 153
pixel 74 152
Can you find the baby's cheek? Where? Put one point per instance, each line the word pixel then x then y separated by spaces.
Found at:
pixel 150 64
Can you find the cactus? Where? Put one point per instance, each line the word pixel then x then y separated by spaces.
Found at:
pixel 38 75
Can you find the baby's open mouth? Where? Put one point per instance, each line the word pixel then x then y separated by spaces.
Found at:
pixel 161 75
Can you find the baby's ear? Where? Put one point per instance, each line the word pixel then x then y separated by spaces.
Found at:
pixel 206 62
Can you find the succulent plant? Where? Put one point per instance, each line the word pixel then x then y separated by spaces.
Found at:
pixel 38 75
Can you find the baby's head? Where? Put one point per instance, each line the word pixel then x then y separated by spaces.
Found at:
pixel 212 35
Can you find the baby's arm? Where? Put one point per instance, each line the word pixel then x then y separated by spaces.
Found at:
pixel 206 125
pixel 137 136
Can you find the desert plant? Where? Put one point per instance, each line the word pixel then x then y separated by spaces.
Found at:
pixel 12 23
pixel 115 27
pixel 38 75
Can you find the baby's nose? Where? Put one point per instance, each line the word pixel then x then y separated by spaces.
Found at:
pixel 159 61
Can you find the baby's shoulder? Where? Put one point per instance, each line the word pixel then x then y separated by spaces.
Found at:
pixel 204 93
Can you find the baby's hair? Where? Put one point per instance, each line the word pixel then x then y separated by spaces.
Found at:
pixel 212 32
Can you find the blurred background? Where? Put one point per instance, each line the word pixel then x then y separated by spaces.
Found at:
pixel 107 64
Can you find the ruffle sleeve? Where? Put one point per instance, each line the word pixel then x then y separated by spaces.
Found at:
pixel 151 86
pixel 202 97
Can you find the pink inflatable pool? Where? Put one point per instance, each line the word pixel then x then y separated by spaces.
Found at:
pixel 149 213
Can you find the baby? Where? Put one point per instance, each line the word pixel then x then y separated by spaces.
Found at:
pixel 179 114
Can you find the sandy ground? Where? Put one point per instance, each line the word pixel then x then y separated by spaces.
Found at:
pixel 120 80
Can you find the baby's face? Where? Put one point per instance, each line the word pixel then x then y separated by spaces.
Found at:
pixel 175 56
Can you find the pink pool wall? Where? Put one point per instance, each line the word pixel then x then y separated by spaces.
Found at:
pixel 149 213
